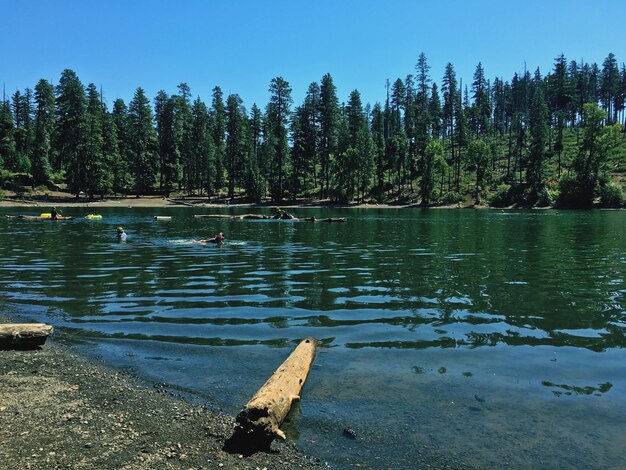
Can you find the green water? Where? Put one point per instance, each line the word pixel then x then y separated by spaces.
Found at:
pixel 486 339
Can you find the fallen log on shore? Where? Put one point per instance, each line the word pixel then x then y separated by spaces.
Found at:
pixel 23 335
pixel 258 423
pixel 266 217
pixel 182 203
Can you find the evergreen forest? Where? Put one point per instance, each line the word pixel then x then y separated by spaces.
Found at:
pixel 555 139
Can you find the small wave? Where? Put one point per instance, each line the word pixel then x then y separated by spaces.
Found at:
pixel 182 241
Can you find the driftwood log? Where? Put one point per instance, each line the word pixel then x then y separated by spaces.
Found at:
pixel 258 423
pixel 266 217
pixel 162 217
pixel 236 217
pixel 23 335
pixel 182 203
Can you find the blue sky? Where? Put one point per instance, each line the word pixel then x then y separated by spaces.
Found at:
pixel 242 45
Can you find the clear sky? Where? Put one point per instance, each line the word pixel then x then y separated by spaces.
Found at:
pixel 241 45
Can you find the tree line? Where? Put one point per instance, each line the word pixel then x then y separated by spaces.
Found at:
pixel 509 139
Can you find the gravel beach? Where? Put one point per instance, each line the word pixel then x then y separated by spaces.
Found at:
pixel 61 410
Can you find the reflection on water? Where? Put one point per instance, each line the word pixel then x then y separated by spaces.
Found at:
pixel 447 336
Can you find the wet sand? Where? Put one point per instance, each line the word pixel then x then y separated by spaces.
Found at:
pixel 61 410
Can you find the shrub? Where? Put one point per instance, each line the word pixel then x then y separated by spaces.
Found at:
pixel 545 198
pixel 611 195
pixel 451 197
pixel 574 194
pixel 56 176
pixel 502 196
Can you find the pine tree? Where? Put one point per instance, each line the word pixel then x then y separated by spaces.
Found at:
pixel 143 142
pixel 70 105
pixel 277 115
pixel 560 91
pixel 110 149
pixel 329 121
pixel 433 156
pixel 169 136
pixel 621 100
pixel 183 167
pixel 354 169
pixel 609 89
pixel 423 80
pixel 310 128
pixel 24 132
pixel 398 99
pixel 202 148
pixel 399 150
pixel 298 152
pixel 481 109
pixel 7 142
pixel 479 154
pixel 460 134
pixel 160 101
pixel 218 131
pixel 538 129
pixel 593 84
pixel 520 90
pixel 450 104
pixel 409 115
pixel 572 79
pixel 254 183
pixel 377 130
pixel 44 127
pixel 236 130
pixel 500 97
pixel 423 119
pixel 94 174
pixel 435 113
pixel 122 177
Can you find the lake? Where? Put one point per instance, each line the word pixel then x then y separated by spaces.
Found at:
pixel 475 338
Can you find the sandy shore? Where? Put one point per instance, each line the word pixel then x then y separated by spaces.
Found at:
pixel 60 410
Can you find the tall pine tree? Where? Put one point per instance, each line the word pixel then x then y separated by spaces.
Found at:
pixel 329 121
pixel 95 177
pixel 143 141
pixel 277 115
pixel 44 128
pixel 218 131
pixel 70 106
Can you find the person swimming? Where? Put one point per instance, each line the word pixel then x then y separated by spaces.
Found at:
pixel 217 239
pixel 121 235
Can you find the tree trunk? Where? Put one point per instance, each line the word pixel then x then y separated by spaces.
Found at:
pixel 258 423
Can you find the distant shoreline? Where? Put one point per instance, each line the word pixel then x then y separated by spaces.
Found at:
pixel 160 202
pixel 65 201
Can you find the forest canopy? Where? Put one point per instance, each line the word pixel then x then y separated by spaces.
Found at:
pixel 532 140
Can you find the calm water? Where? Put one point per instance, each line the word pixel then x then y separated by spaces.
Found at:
pixel 449 337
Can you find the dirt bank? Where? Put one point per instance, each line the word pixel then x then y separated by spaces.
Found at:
pixel 60 410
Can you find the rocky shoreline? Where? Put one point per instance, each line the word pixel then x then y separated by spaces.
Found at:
pixel 61 410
